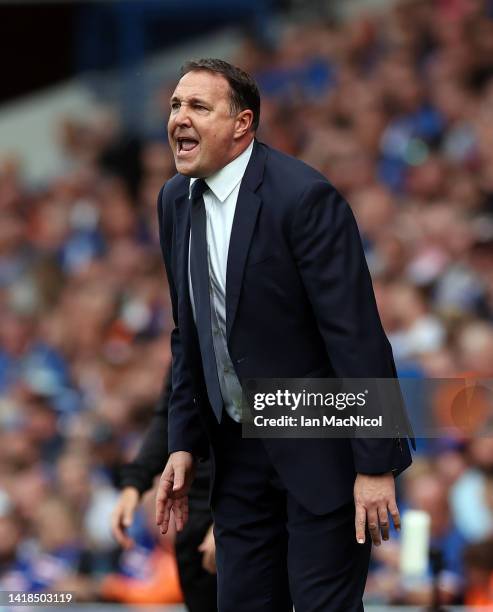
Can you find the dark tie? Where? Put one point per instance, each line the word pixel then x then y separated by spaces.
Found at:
pixel 199 272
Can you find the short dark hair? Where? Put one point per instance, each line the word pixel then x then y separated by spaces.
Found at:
pixel 244 90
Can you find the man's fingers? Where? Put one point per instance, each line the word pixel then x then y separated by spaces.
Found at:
pixel 360 523
pixel 161 499
pixel 166 516
pixel 394 513
pixel 180 511
pixel 383 519
pixel 373 526
pixel 179 480
pixel 128 516
pixel 172 490
pixel 126 541
pixel 118 529
pixel 162 496
pixel 162 502
pixel 209 562
pixel 375 494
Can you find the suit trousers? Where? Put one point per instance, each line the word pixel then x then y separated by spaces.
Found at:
pixel 271 551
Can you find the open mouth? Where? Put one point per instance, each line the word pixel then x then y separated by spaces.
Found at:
pixel 185 146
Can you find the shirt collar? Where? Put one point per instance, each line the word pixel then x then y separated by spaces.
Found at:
pixel 222 182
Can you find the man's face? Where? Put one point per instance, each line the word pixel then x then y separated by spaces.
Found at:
pixel 201 129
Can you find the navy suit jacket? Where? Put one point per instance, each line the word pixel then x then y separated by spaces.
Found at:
pixel 299 303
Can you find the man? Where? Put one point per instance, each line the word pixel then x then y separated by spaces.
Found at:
pixel 195 548
pixel 268 280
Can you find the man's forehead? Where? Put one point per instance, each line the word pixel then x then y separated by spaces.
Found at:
pixel 199 83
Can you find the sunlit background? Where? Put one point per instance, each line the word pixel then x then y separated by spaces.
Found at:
pixel 392 101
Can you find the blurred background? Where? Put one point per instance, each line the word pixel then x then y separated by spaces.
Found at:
pixel 391 100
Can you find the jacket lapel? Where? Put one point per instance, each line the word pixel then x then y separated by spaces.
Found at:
pixel 185 316
pixel 247 209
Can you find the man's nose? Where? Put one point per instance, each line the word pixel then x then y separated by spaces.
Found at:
pixel 182 117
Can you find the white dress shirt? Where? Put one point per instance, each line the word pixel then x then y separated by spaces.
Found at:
pixel 220 205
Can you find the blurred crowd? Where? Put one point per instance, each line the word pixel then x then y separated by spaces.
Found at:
pixel 396 109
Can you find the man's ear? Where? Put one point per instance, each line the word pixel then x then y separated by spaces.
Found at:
pixel 244 121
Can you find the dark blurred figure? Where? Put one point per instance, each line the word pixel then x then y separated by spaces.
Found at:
pixel 195 549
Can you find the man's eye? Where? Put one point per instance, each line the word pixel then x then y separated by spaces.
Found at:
pixel 175 106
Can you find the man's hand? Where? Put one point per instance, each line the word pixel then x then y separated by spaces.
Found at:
pixel 172 492
pixel 123 515
pixel 374 498
pixel 208 550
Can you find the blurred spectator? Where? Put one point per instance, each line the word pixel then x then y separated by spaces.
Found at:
pixel 417 330
pixel 154 577
pixel 472 494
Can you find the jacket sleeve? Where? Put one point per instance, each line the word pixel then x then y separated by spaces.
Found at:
pixel 185 429
pixel 330 259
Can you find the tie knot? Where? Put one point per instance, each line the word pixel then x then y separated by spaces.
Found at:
pixel 198 188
